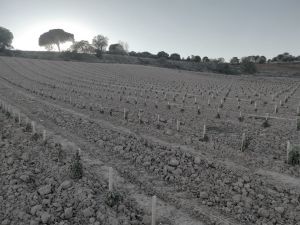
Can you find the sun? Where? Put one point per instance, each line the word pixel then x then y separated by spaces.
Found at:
pixel 27 38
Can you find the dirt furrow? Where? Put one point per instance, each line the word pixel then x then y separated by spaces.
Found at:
pixel 78 115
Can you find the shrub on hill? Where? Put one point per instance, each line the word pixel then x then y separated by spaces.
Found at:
pixel 248 67
pixel 223 68
pixel 68 55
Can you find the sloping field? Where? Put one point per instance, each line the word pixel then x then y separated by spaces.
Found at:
pixel 280 69
pixel 212 148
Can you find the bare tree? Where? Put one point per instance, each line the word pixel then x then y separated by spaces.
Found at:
pixel 125 45
pixel 100 42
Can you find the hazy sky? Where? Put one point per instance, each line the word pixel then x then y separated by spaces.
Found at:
pixel 213 28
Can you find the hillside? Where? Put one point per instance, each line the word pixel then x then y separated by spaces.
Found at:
pixel 280 69
pixel 223 68
pixel 212 148
pixel 269 69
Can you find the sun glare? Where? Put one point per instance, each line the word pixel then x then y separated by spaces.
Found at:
pixel 28 38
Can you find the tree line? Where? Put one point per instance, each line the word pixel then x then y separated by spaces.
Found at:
pixel 55 37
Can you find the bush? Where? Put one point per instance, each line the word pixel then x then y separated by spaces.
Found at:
pixel 294 155
pixel 8 114
pixel 175 56
pixel 76 170
pixel 68 55
pixel 197 58
pixel 162 54
pixel 143 61
pixel 266 123
pixel 6 52
pixel 223 68
pixel 82 47
pixel 245 143
pixel 28 128
pixel 113 198
pixel 241 118
pixel 35 136
pixel 142 54
pixel 248 67
pixel 99 54
pixel 204 138
pixel 117 49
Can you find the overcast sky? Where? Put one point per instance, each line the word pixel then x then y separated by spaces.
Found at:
pixel 213 28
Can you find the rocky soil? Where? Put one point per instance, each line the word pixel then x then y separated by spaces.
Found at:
pixel 209 182
pixel 36 187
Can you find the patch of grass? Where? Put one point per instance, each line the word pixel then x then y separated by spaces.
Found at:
pixel 113 198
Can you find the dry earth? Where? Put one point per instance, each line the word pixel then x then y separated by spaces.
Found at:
pixel 156 147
